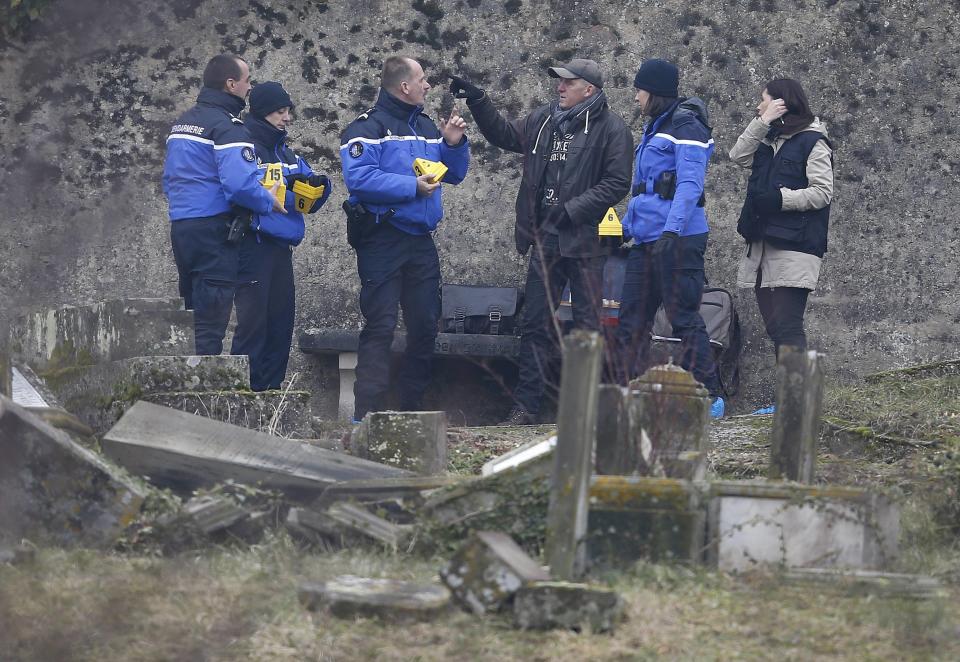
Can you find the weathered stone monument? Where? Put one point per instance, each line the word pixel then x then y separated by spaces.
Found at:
pixel 573 456
pixel 412 440
pixel 672 409
pixel 796 422
pixel 348 596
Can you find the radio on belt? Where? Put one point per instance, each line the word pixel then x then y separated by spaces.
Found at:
pixel 427 167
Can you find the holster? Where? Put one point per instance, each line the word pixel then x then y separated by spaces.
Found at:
pixel 362 223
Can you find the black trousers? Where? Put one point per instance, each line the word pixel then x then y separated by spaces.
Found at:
pixel 207 266
pixel 675 280
pixel 265 300
pixel 547 274
pixel 782 310
pixel 402 270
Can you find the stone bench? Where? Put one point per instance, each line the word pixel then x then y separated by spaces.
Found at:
pixel 344 344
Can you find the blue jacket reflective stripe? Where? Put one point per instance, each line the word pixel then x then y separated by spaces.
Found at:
pixel 679 140
pixel 271 147
pixel 210 163
pixel 377 151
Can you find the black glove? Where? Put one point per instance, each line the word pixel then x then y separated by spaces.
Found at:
pixel 461 89
pixel 319 180
pixel 768 201
pixel 665 244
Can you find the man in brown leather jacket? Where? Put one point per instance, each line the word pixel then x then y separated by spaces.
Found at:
pixel 578 161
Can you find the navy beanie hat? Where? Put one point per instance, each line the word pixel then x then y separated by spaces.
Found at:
pixel 658 77
pixel 268 97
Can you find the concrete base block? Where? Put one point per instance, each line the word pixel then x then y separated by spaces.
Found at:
pixel 795 526
pixel 488 570
pixel 53 490
pixel 414 440
pixel 549 605
pixel 348 596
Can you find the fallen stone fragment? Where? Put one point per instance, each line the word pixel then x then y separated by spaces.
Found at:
pixel 348 596
pixel 414 440
pixel 18 554
pixel 302 524
pixel 533 456
pixel 379 489
pixel 488 570
pixel 548 605
pixel 185 452
pixel 212 513
pixel 869 582
pixel 347 522
pixel 55 491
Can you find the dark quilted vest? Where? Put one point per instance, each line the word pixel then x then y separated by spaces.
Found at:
pixel 803 231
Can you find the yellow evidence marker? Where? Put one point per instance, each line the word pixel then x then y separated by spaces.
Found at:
pixel 427 167
pixel 273 175
pixel 610 226
pixel 305 195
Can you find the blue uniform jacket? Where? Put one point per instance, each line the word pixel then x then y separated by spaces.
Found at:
pixel 377 150
pixel 679 140
pixel 210 162
pixel 271 147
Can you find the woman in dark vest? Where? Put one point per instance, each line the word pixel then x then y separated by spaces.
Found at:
pixel 786 212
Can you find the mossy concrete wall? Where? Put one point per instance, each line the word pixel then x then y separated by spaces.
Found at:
pixel 87 96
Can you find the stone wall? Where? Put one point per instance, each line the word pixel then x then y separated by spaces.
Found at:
pixel 88 94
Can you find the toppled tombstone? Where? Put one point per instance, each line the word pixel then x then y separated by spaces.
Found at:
pixel 58 339
pixel 348 596
pixel 55 491
pixel 184 452
pixel 211 514
pixel 414 440
pixel 349 524
pixel 635 517
pixel 20 554
pixel 672 409
pixel 792 526
pixel 312 528
pixel 488 570
pixel 869 582
pixel 547 605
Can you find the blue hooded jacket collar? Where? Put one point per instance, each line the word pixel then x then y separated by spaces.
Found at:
pixel 220 99
pixel 397 108
pixel 264 133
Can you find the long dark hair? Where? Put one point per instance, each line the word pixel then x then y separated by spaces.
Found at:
pixel 798 109
pixel 656 105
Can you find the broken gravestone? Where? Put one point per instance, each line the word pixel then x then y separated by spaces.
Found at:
pixel 794 526
pixel 796 422
pixel 54 490
pixel 488 570
pixel 344 523
pixel 348 596
pixel 545 605
pixel 672 409
pixel 414 440
pixel 184 452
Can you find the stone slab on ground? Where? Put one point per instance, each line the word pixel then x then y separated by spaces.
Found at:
pixel 53 490
pixel 414 440
pixel 536 455
pixel 633 517
pixel 57 338
pixel 488 570
pixel 212 513
pixel 185 452
pixel 869 582
pixel 351 518
pixel 349 596
pixel 791 525
pixel 547 605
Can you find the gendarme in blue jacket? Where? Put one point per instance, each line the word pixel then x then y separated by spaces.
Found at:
pixel 271 147
pixel 210 162
pixel 377 150
pixel 679 140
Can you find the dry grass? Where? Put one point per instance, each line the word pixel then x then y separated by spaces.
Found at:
pixel 241 605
